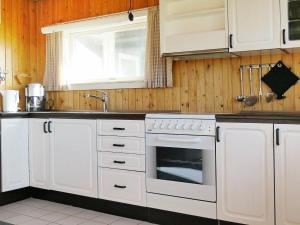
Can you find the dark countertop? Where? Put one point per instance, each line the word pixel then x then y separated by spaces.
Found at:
pixel 260 117
pixel 245 116
pixel 77 115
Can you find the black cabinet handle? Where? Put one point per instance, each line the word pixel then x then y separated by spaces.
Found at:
pixel 120 186
pixel 277 137
pixel 218 134
pixel 49 126
pixel 118 128
pixel 119 162
pixel 119 145
pixel 283 36
pixel 45 129
pixel 230 41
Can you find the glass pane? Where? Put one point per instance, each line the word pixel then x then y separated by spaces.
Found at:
pixel 294 30
pixel 112 56
pixel 185 165
pixel 294 9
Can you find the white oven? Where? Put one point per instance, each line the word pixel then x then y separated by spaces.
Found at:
pixel 180 156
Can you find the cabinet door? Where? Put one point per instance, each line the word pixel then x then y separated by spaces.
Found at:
pixel 253 25
pixel 287 177
pixel 245 187
pixel 14 154
pixel 73 156
pixel 290 23
pixel 39 144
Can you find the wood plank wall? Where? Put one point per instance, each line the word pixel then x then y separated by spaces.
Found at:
pixel 17 42
pixel 199 85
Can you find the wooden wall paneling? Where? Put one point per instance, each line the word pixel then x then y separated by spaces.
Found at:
pixel 200 87
pixel 296 67
pixel 265 59
pixel 131 99
pixel 168 94
pixel 276 104
pixel 2 41
pixel 119 104
pixel 209 83
pixel 184 82
pixel 176 101
pixel 289 101
pixel 227 86
pixel 192 86
pixel 138 99
pixel 125 99
pixel 146 100
pixel 235 82
pixel 218 86
pixel 255 59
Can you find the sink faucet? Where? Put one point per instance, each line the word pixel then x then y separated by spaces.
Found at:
pixel 104 98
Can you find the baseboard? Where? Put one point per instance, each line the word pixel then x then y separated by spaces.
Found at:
pixel 14 196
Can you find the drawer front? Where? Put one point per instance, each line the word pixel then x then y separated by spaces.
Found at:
pixel 121 161
pixel 121 144
pixel 122 186
pixel 127 128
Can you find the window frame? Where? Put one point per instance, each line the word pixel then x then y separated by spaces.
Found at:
pixel 102 24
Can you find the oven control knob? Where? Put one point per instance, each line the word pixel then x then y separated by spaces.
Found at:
pixel 156 125
pixel 178 126
pixel 163 125
pixel 202 127
pixel 186 126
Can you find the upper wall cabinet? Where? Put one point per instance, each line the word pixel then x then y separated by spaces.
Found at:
pixel 254 25
pixel 290 23
pixel 189 25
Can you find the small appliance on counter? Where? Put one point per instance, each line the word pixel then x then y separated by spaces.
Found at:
pixel 35 97
pixel 10 100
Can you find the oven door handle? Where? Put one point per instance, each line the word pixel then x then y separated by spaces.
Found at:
pixel 187 140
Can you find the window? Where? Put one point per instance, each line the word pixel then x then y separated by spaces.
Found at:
pixel 111 56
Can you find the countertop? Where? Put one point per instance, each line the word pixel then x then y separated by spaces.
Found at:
pixel 245 116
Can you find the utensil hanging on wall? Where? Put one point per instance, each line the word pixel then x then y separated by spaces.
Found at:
pixel 241 97
pixel 252 99
pixel 269 95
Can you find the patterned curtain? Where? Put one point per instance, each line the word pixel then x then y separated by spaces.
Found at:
pixel 158 69
pixel 54 76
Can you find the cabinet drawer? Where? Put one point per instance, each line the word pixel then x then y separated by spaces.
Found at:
pixel 121 161
pixel 122 186
pixel 127 128
pixel 121 144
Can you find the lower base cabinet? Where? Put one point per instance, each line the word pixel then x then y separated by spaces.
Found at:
pixel 287 176
pixel 245 178
pixel 122 186
pixel 14 154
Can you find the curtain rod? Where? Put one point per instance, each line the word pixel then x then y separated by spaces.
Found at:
pixel 51 28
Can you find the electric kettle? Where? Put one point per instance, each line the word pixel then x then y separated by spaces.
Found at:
pixel 10 100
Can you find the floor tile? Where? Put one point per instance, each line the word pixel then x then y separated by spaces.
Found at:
pixel 87 214
pixel 6 214
pixel 126 221
pixel 54 216
pixel 146 223
pixel 71 220
pixel 106 218
pixel 90 222
pixel 71 210
pixel 35 221
pixel 56 207
pixel 18 219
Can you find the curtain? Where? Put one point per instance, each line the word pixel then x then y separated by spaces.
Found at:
pixel 158 69
pixel 54 77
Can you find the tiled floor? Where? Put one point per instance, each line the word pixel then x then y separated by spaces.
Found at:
pixel 39 212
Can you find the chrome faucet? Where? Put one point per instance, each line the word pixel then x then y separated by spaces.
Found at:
pixel 104 98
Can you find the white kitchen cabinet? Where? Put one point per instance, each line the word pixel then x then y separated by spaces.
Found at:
pixel 253 25
pixel 287 177
pixel 73 156
pixel 14 154
pixel 189 25
pixel 39 150
pixel 245 183
pixel 290 23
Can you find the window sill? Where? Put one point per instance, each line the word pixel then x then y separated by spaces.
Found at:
pixel 108 85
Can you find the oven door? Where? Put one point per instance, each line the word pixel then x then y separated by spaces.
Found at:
pixel 181 165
